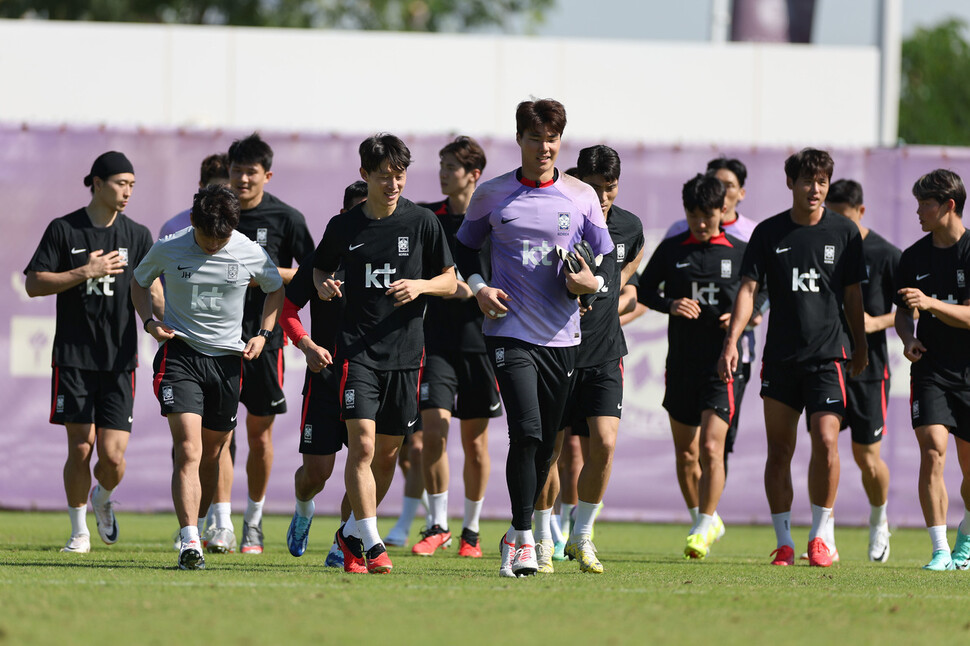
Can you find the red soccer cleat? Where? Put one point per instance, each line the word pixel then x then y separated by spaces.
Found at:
pixel 784 555
pixel 378 562
pixel 353 555
pixel 818 553
pixel 432 539
pixel 469 546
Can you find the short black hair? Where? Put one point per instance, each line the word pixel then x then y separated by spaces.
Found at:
pixel 734 165
pixel 251 150
pixel 384 147
pixel 703 192
pixel 809 162
pixel 537 116
pixel 599 160
pixel 467 151
pixel 845 191
pixel 215 211
pixel 214 167
pixel 572 172
pixel 942 185
pixel 354 192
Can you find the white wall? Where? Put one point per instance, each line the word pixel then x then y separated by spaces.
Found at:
pixel 360 82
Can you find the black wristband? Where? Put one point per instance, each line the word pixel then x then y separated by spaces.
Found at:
pixel 266 334
pixel 145 324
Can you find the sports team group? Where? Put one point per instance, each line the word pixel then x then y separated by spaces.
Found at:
pixel 506 294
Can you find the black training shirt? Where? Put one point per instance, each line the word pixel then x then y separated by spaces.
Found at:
pixel 878 294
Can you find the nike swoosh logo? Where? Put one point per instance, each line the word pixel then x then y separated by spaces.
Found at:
pixel 412 423
pixel 233 419
pixel 778 250
pixel 132 419
pixel 570 373
pixel 878 431
pixel 277 402
pixel 829 400
pixel 495 406
pixel 921 277
pixel 355 246
pixel 619 407
pixel 507 220
pixel 73 250
pixel 181 268
pixel 681 265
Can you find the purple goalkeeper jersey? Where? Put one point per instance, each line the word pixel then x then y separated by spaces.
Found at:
pixel 526 223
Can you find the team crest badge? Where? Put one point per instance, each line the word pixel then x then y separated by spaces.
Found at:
pixel 60 403
pixel 168 395
pixel 499 356
pixel 261 236
pixel 308 433
pixel 961 280
pixel 620 252
pixel 425 392
pixel 563 224
pixel 349 398
pixel 829 255
pixel 123 254
pixel 232 272
pixel 915 409
pixel 726 268
pixel 403 246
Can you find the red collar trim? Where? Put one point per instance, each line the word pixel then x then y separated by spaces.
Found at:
pixel 531 184
pixel 443 209
pixel 720 239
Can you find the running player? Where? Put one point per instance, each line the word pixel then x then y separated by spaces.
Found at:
pixel 596 402
pixel 86 258
pixel 810 259
pixel 699 272
pixel 933 281
pixel 207 270
pixel 458 376
pixel 393 252
pixel 532 318
pixel 282 231
pixel 867 394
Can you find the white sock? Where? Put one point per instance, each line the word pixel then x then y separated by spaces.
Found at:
pixel 703 524
pixel 439 509
pixel 557 536
pixel 694 511
pixel 368 532
pixel 542 518
pixel 210 517
pixel 79 524
pixel 427 508
pixel 254 512
pixel 782 524
pixel 101 495
pixel 335 549
pixel 524 537
pixel 820 521
pixel 409 509
pixel 189 533
pixel 828 534
pixel 201 524
pixel 221 513
pixel 585 515
pixel 305 508
pixel 473 512
pixel 350 527
pixel 566 517
pixel 510 535
pixel 938 536
pixel 877 515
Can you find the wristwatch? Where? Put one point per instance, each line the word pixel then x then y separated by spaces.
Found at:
pixel 266 334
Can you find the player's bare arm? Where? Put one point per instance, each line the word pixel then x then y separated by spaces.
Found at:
pixel 879 323
pixel 687 308
pixel 855 317
pixel 905 324
pixel 462 291
pixel 405 290
pixel 627 301
pixel 287 273
pixel 317 358
pixel 141 299
pixel 327 287
pixel 953 314
pixel 271 314
pixel 727 364
pixel 492 302
pixel 158 298
pixel 100 264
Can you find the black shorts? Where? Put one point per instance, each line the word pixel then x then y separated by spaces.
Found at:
pixel 187 381
pixel 389 397
pixel 814 387
pixel 688 395
pixel 262 389
pixel 322 432
pixel 460 382
pixel 866 410
pixel 741 380
pixel 597 392
pixel 535 382
pixel 104 398
pixel 937 400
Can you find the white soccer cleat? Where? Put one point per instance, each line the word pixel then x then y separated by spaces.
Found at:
pixel 506 555
pixel 105 515
pixel 220 540
pixel 190 556
pixel 544 551
pixel 525 563
pixel 78 544
pixel 879 543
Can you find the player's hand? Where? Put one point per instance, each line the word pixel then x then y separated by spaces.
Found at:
pixel 583 281
pixel 756 319
pixel 329 289
pixel 491 300
pixel 685 307
pixel 405 290
pixel 724 320
pixel 254 348
pixel 727 364
pixel 859 360
pixel 104 264
pixel 584 308
pixel 914 350
pixel 317 358
pixel 915 299
pixel 159 331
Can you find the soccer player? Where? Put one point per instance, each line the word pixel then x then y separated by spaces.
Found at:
pixel 933 282
pixel 532 318
pixel 393 253
pixel 207 269
pixel 86 259
pixel 214 170
pixel 867 394
pixel 596 402
pixel 322 432
pixel 282 231
pixel 810 259
pixel 699 272
pixel 458 376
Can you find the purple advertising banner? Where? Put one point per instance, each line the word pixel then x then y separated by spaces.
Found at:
pixel 41 173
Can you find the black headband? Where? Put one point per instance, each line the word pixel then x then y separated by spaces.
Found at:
pixel 108 164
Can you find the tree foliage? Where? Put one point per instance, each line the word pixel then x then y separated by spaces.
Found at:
pixel 399 15
pixel 934 103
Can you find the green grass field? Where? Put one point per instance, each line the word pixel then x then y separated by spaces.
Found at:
pixel 132 592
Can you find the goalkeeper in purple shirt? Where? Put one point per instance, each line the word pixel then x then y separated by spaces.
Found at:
pixel 532 216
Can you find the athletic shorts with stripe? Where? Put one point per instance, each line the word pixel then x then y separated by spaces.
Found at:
pixel 187 381
pixel 262 389
pixel 689 394
pixel 865 413
pixel 322 432
pixel 461 382
pixel 105 398
pixel 942 399
pixel 389 397
pixel 597 392
pixel 814 387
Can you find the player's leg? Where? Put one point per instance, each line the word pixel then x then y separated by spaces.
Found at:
pixel 687 463
pixel 823 480
pixel 474 441
pixel 781 423
pixel 186 429
pixel 933 497
pixel 409 459
pixel 259 462
pixel 219 536
pixel 542 515
pixel 109 470
pixel 77 483
pixel 570 463
pixel 714 430
pixel 434 465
